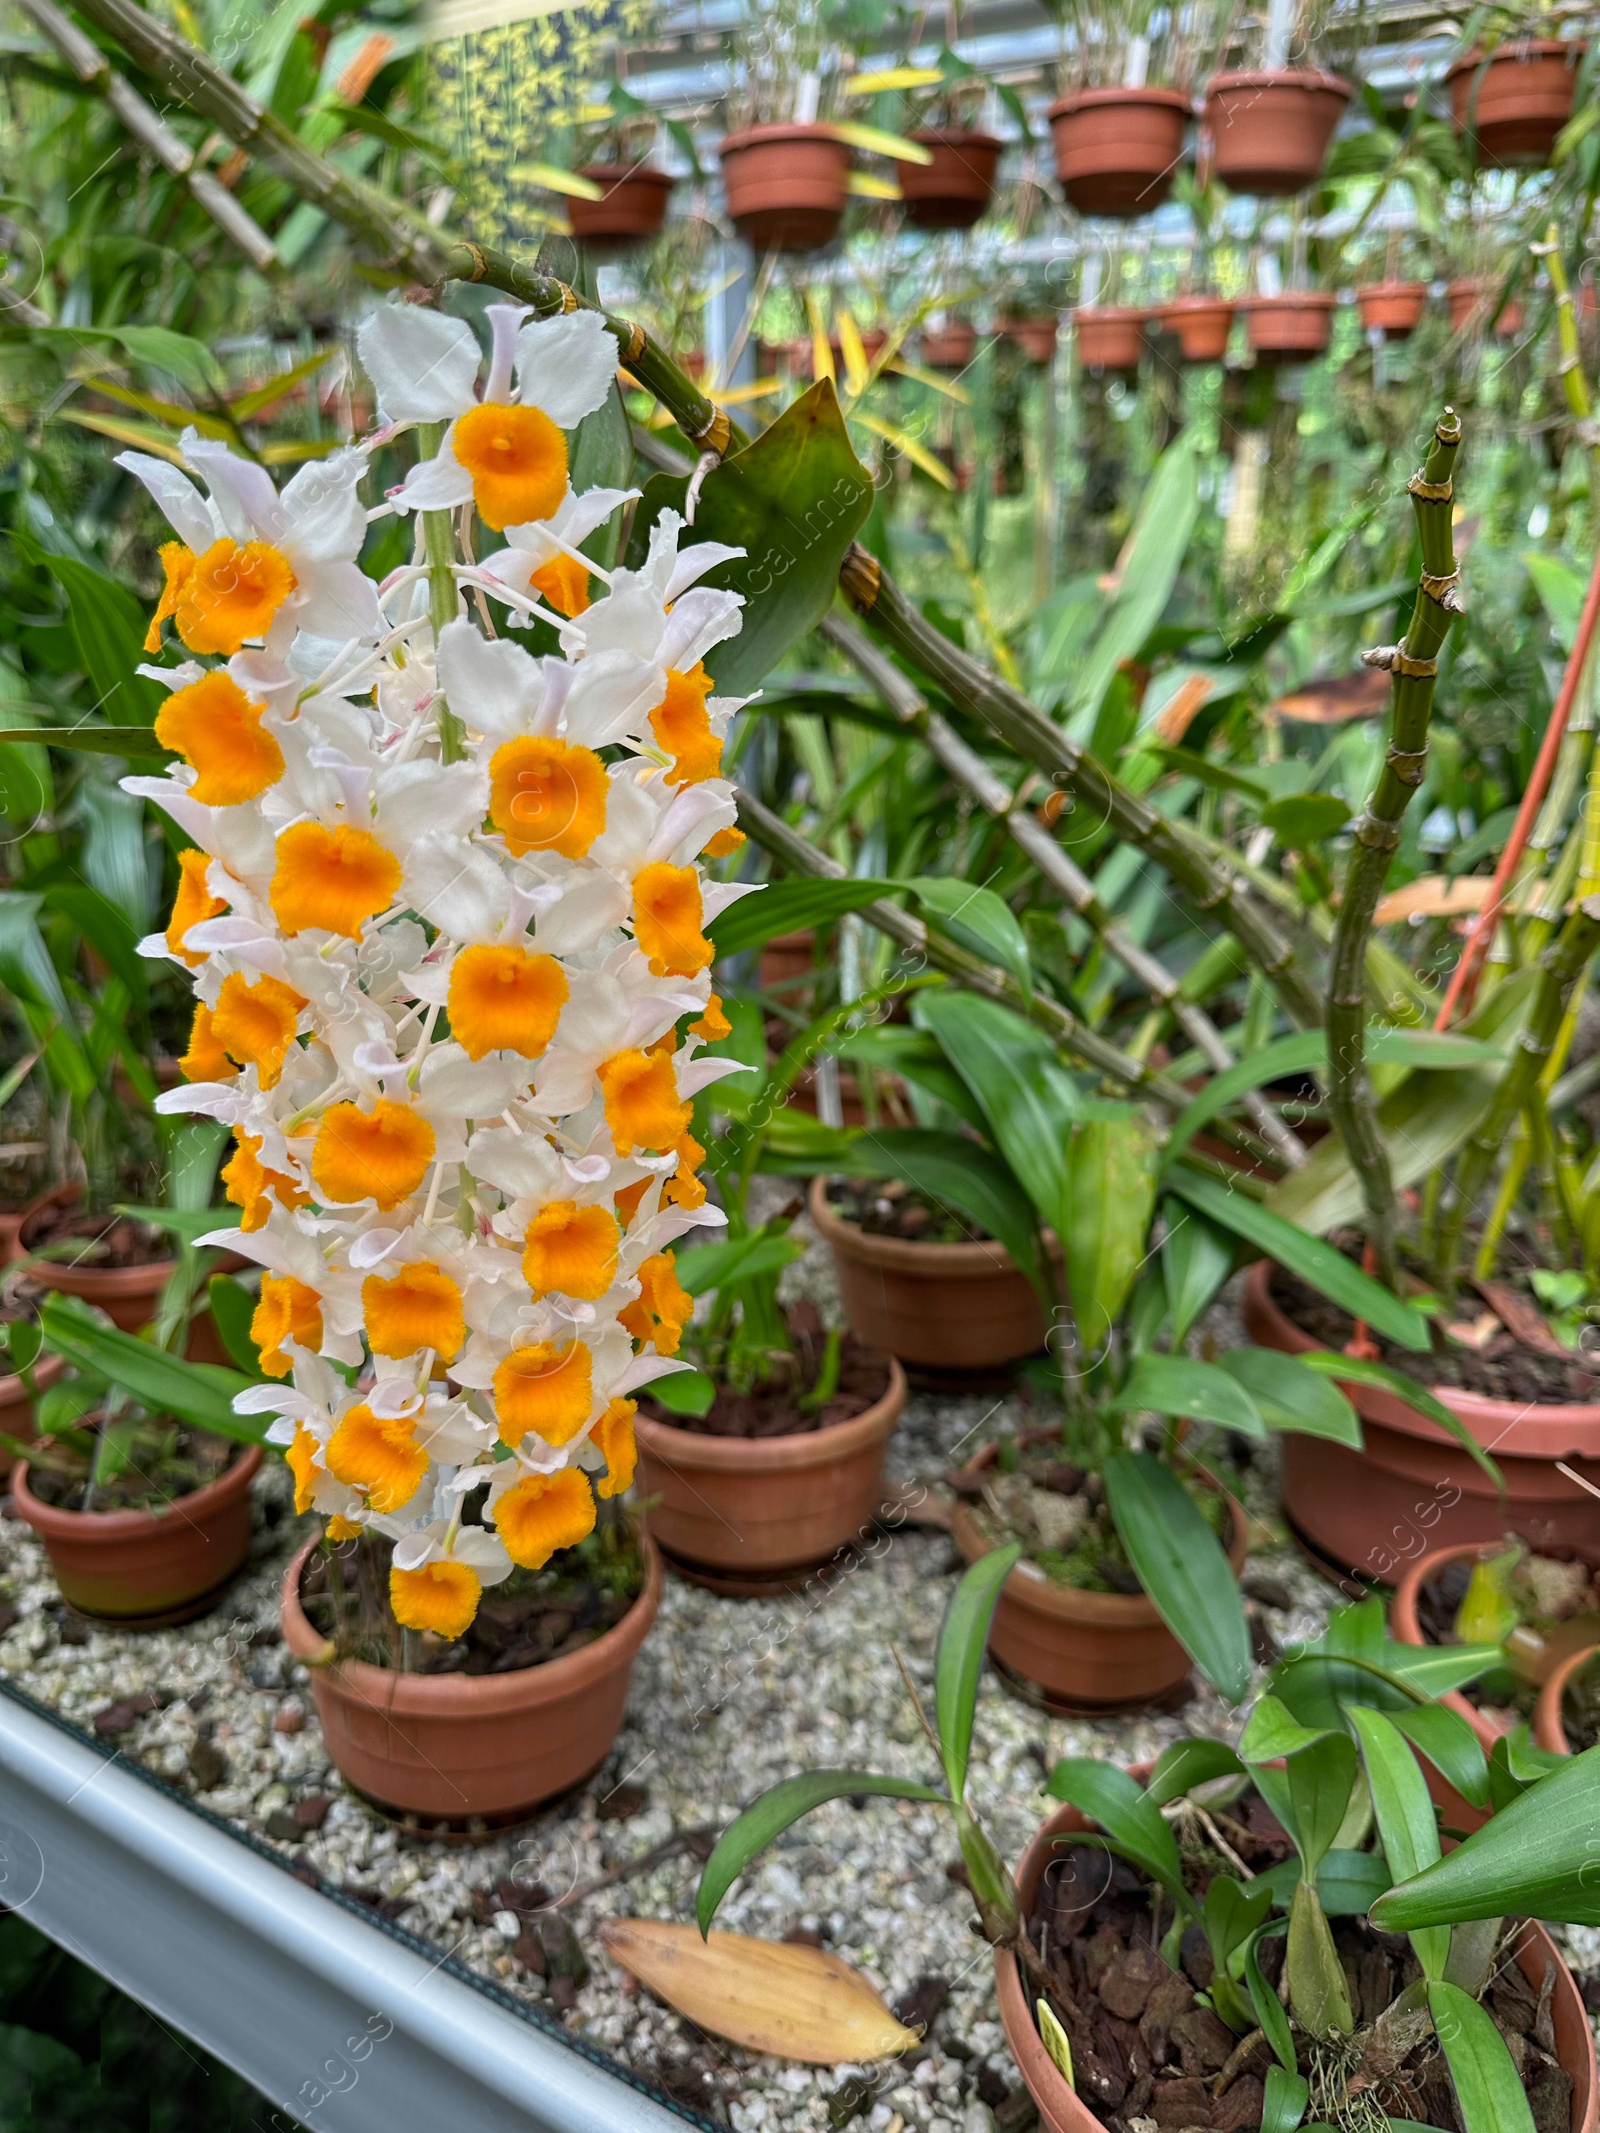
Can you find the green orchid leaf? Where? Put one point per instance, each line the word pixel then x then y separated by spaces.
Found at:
pixel 980 920
pixel 1179 1385
pixel 1450 1744
pixel 958 1665
pixel 1362 1370
pixel 1188 1763
pixel 684 1392
pixel 749 1834
pixel 1488 2087
pixel 1120 1806
pixel 1181 1565
pixel 1284 2104
pixel 200 1394
pixel 789 907
pixel 1406 1820
pixel 1270 2014
pixel 1196 1259
pixel 232 1309
pixel 1288 1396
pixel 1112 1160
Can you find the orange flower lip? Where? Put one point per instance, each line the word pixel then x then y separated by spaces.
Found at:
pixel 217 729
pixel 442 1597
pixel 544 1512
pixel 331 881
pixel 382 1154
pixel 664 1307
pixel 288 1310
pixel 517 459
pixel 613 1437
pixel 682 726
pixel 564 582
pixel 420 1308
pixel 547 796
pixel 669 920
pixel 546 1389
pixel 505 1000
pixel 255 1024
pixel 378 1454
pixel 253 1187
pixel 643 1107
pixel 193 902
pixel 229 594
pixel 571 1251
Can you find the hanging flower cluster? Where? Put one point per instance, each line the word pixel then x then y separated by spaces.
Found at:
pixel 446 925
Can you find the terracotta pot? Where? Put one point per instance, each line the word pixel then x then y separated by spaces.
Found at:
pixel 633 210
pixel 1406 1627
pixel 787 957
pixel 452 1746
pixel 1392 307
pixel 1117 149
pixel 145 1567
pixel 1413 1488
pixel 1202 324
pixel 943 1306
pixel 16 1419
pixel 1549 1725
pixel 1110 337
pixel 1292 328
pixel 1060 2109
pixel 1514 105
pixel 1036 337
pixel 1513 317
pixel 1463 298
pixel 786 186
pixel 127 1294
pixel 1270 129
pixel 765 1507
pixel 950 347
pixel 951 192
pixel 1092 1651
pixel 11 1220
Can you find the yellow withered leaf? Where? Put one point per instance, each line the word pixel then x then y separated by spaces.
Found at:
pixel 770 1996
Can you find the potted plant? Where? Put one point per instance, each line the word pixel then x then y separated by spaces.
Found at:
pixel 941 109
pixel 630 193
pixel 453 1133
pixel 1511 90
pixel 1500 1374
pixel 1269 124
pixel 138 1482
pixel 1123 106
pixel 1109 336
pixel 1201 319
pixel 1226 1892
pixel 1394 304
pixel 766 1460
pixel 949 342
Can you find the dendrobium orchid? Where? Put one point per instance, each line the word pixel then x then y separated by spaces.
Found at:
pixel 445 918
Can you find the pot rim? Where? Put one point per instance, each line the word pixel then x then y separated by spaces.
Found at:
pixel 1407 1627
pixel 1292 300
pixel 1392 288
pixel 1029 1585
pixel 1310 78
pixel 1549 1725
pixel 447 1696
pixel 1498 1421
pixel 1519 52
pixel 12 1388
pixel 1050 2088
pixel 50 1522
pixel 955 137
pixel 1113 314
pixel 904 1255
pixel 1193 306
pixel 778 1456
pixel 645 173
pixel 1105 99
pixel 778 133
pixel 117 1280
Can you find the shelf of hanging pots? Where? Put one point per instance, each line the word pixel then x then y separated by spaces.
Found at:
pixel 1294 327
pixel 631 210
pixel 953 191
pixel 786 185
pixel 1393 308
pixel 1110 336
pixel 1118 150
pixel 1270 128
pixel 1412 1484
pixel 1511 104
pixel 1202 325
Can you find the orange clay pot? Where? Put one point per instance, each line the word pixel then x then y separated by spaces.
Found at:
pixel 951 192
pixel 1270 128
pixel 940 1306
pixel 1549 1727
pixel 1515 104
pixel 788 957
pixel 764 1509
pixel 1405 1627
pixel 1061 2111
pixel 786 185
pixel 1292 328
pixel 453 1746
pixel 1392 307
pixel 1118 149
pixel 1110 336
pixel 1089 1651
pixel 1412 1487
pixel 950 347
pixel 1202 324
pixel 16 1416
pixel 147 1568
pixel 127 1294
pixel 632 210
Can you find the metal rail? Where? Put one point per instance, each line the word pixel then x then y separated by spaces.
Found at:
pixel 345 2024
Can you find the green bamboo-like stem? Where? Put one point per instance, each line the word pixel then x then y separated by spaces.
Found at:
pixel 1213 887
pixel 1415 667
pixel 775 835
pixel 444 599
pixel 1560 967
pixel 1573 382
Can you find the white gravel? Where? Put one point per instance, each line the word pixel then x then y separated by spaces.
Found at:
pixel 728 1696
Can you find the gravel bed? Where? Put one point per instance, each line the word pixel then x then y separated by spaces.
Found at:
pixel 728 1696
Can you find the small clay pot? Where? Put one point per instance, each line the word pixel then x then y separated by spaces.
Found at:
pixel 127 1294
pixel 1513 105
pixel 1549 1726
pixel 16 1414
pixel 452 1746
pixel 788 957
pixel 1292 328
pixel 953 191
pixel 1036 337
pixel 1110 336
pixel 1411 1487
pixel 1118 149
pixel 1463 299
pixel 1060 2109
pixel 143 1569
pixel 950 347
pixel 1405 1627
pixel 632 211
pixel 786 185
pixel 11 1220
pixel 937 1306
pixel 1085 1651
pixel 1270 128
pixel 1393 308
pixel 760 1511
pixel 1202 324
